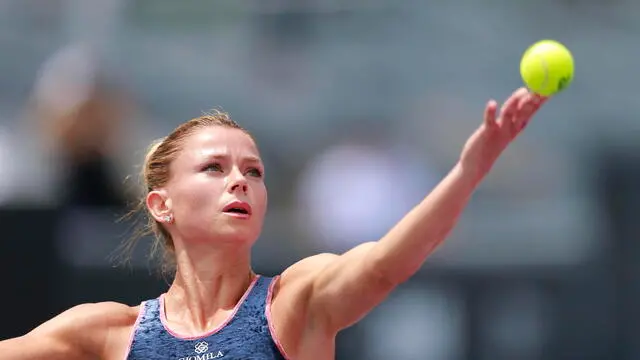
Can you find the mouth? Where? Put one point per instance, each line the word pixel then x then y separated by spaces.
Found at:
pixel 238 209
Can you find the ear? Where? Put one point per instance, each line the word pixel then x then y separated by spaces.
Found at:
pixel 159 204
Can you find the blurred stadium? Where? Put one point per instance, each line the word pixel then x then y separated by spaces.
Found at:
pixel 359 108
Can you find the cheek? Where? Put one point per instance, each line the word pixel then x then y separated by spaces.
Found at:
pixel 198 197
pixel 262 199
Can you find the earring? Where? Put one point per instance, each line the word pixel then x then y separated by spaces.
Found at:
pixel 168 219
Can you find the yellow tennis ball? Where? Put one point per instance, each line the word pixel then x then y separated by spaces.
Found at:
pixel 547 67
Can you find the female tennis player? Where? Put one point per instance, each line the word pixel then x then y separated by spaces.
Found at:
pixel 206 200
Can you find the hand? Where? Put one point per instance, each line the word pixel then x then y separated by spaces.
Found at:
pixel 487 143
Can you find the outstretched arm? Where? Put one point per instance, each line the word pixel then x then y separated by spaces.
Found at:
pixel 78 333
pixel 344 288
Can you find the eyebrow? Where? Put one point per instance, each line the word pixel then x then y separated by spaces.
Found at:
pixel 249 159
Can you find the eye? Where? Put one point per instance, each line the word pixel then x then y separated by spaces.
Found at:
pixel 212 167
pixel 255 172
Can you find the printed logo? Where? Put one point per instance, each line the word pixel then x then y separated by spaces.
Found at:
pixel 201 347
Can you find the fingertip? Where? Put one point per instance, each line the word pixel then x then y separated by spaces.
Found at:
pixel 492 106
pixel 490 112
pixel 543 99
pixel 539 98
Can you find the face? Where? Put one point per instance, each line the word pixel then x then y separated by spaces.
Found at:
pixel 216 190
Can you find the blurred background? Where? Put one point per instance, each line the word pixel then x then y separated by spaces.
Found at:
pixel 359 108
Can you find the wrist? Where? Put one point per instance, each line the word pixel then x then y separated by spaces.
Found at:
pixel 469 174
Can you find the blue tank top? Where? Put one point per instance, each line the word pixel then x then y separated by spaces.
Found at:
pixel 246 334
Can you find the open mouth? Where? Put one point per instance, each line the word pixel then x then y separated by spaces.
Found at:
pixel 238 208
pixel 237 211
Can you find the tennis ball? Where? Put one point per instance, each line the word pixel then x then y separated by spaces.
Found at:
pixel 547 67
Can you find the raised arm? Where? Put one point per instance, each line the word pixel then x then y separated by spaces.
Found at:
pixel 78 333
pixel 342 289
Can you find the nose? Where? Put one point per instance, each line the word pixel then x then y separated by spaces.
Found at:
pixel 239 186
pixel 237 182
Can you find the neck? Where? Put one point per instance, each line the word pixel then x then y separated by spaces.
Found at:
pixel 208 281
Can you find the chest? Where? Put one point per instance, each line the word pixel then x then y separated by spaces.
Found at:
pixel 246 335
pixel 230 343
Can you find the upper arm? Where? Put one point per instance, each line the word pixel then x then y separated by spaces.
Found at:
pixel 78 333
pixel 338 290
pixel 31 347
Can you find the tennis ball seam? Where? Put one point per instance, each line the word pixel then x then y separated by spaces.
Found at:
pixel 545 66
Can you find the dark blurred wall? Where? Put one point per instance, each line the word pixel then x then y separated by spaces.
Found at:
pixel 619 179
pixel 29 267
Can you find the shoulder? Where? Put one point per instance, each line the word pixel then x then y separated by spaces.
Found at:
pixel 290 303
pixel 300 275
pixel 90 327
pixel 94 314
pixel 303 273
pixel 308 266
pixel 288 307
pixel 107 311
pixel 307 269
pixel 295 283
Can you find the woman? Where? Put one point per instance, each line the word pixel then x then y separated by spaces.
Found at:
pixel 206 201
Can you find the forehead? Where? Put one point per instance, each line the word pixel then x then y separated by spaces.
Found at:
pixel 218 141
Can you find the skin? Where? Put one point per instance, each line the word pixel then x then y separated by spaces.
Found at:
pixel 213 250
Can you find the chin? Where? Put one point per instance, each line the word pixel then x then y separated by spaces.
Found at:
pixel 236 235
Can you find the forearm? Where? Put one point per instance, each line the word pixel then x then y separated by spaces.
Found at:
pixel 400 253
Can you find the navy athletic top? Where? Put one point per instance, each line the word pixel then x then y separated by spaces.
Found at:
pixel 246 334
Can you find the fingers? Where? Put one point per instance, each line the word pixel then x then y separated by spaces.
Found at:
pixel 530 103
pixel 490 113
pixel 518 109
pixel 510 106
pixel 514 114
pixel 527 107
